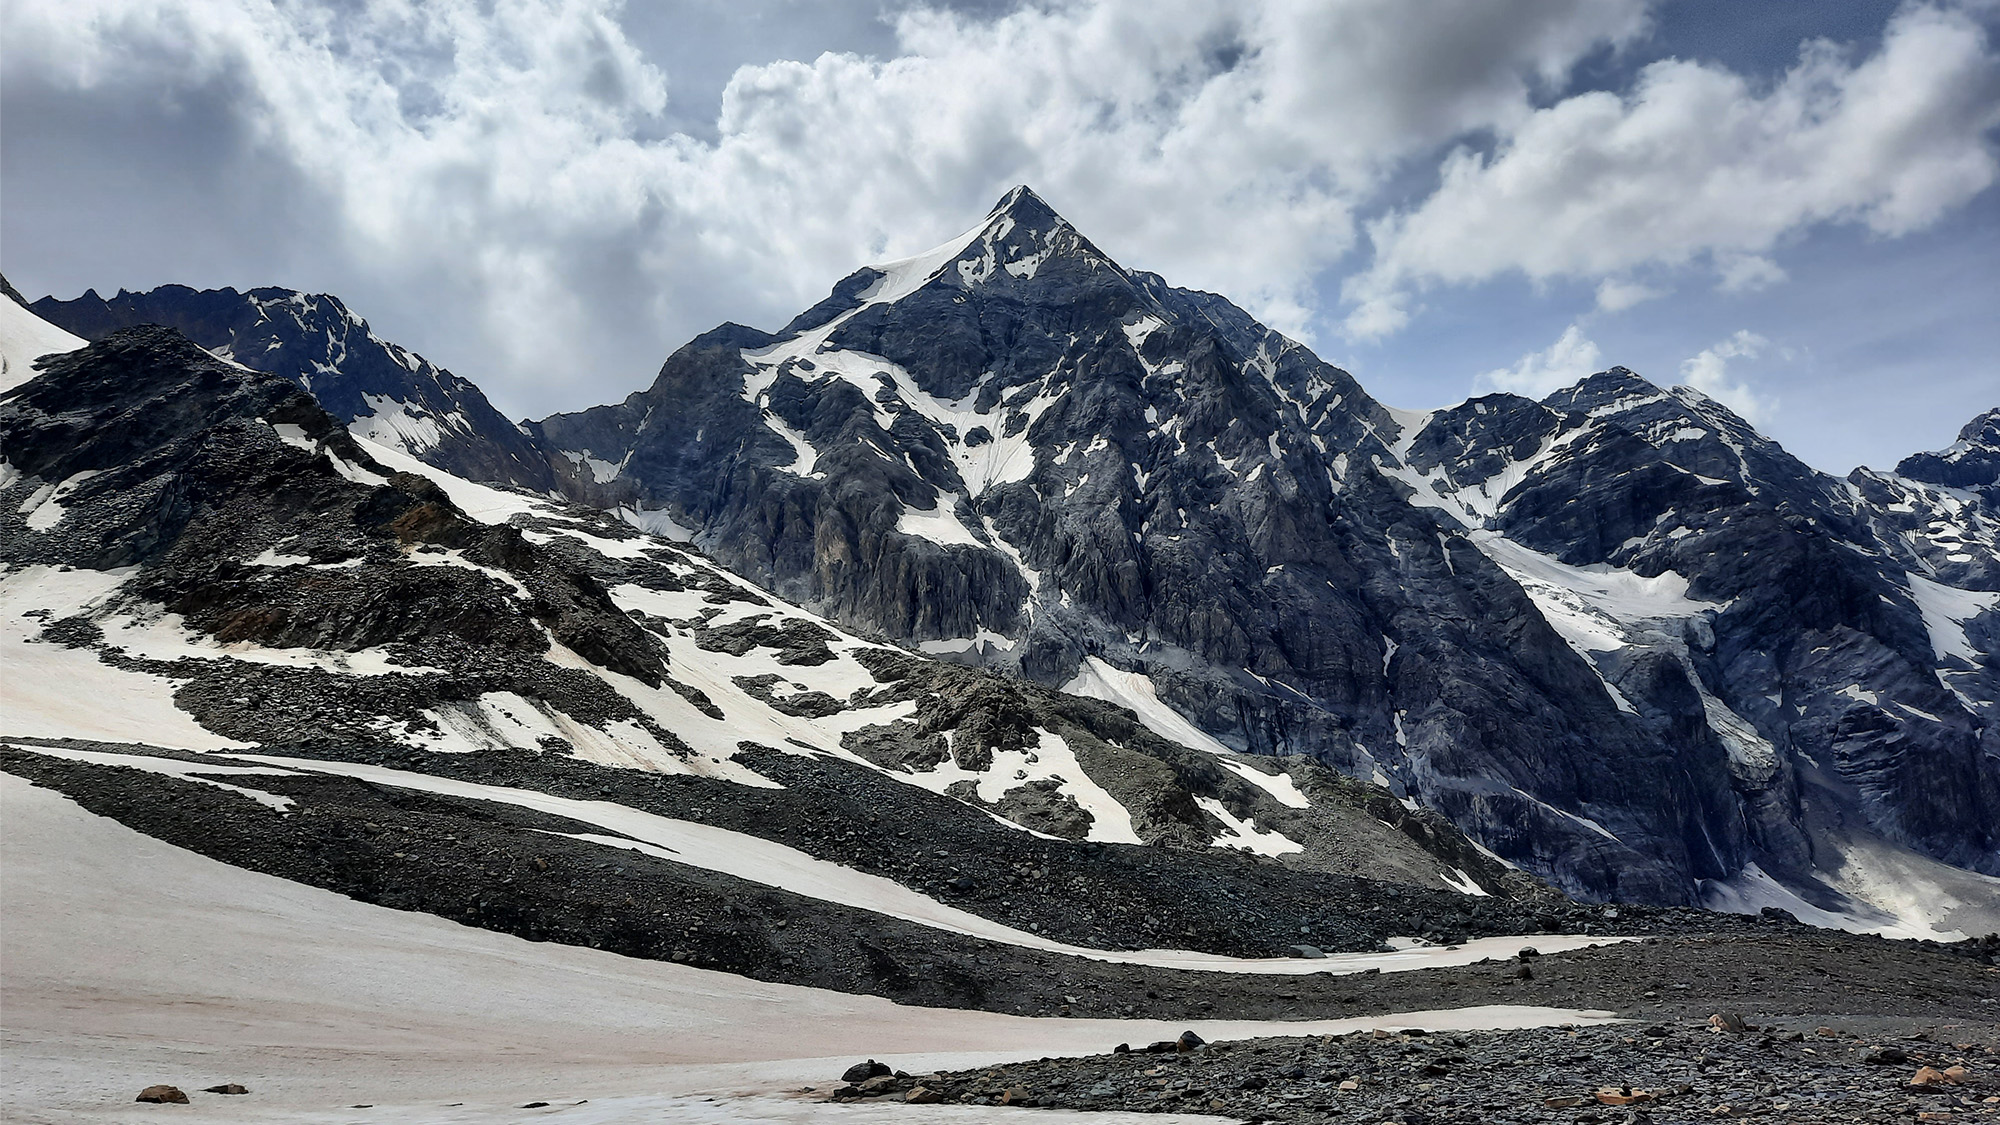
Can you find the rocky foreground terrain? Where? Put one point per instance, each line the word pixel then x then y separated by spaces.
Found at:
pixel 1659 1071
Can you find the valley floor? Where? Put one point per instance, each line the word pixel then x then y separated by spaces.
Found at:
pixel 129 961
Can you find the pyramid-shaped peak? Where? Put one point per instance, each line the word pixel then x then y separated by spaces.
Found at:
pixel 1026 209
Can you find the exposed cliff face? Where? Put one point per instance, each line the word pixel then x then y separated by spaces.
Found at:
pixel 1015 451
pixel 204 552
pixel 383 391
pixel 1617 636
pixel 1810 625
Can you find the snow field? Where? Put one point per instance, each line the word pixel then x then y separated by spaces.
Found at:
pixel 776 865
pixel 1946 610
pixel 49 691
pixel 131 962
pixel 24 338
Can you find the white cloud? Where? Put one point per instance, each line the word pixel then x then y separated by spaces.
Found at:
pixel 512 157
pixel 513 150
pixel 1572 357
pixel 1746 273
pixel 1616 294
pixel 1698 164
pixel 1708 372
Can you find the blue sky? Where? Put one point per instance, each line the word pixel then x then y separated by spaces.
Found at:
pixel 1789 204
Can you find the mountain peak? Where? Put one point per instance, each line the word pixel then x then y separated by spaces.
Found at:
pixel 1613 386
pixel 1973 461
pixel 1026 209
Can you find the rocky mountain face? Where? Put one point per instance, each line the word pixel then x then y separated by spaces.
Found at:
pixel 381 390
pixel 200 558
pixel 1618 636
pixel 1015 451
pixel 1817 630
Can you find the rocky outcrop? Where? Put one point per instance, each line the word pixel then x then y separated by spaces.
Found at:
pixel 385 392
pixel 252 517
pixel 1734 597
pixel 229 543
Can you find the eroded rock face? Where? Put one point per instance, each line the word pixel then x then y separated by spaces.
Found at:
pixel 252 516
pixel 288 588
pixel 1804 624
pixel 1618 636
pixel 1014 452
pixel 388 393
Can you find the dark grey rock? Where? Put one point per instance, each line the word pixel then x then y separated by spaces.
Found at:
pixel 315 341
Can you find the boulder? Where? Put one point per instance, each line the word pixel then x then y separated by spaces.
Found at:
pixel 162 1095
pixel 862 1071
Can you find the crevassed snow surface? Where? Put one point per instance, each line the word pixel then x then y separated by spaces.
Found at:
pixel 124 952
pixel 1888 890
pixel 1603 608
pixel 1591 605
pixel 24 337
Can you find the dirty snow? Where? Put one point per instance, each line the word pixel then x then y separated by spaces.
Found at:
pixel 49 691
pixel 318 1002
pixel 776 865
